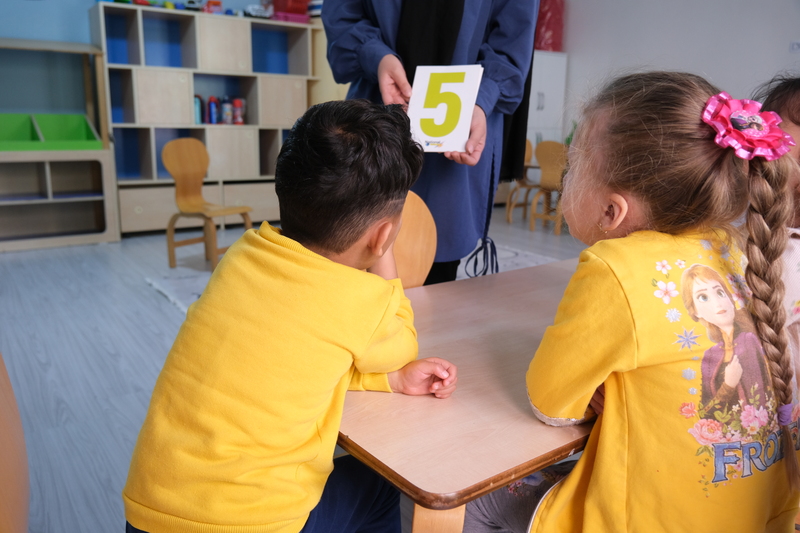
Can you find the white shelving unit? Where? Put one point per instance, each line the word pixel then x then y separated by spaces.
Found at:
pixel 158 59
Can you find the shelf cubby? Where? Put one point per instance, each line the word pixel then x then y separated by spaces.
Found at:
pixel 18 131
pixel 269 144
pixel 169 39
pixel 52 219
pixel 76 179
pixel 165 135
pixel 133 153
pixel 122 36
pixel 23 182
pixel 120 89
pixel 245 87
pixel 280 49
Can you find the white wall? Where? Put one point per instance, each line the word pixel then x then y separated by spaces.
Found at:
pixel 735 44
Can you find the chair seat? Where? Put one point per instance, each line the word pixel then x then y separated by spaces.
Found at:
pixel 214 210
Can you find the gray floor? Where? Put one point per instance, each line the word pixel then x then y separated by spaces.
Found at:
pixel 84 336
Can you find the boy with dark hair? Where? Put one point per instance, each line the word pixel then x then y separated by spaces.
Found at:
pixel 244 417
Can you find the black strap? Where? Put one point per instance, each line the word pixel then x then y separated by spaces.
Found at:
pixel 427 33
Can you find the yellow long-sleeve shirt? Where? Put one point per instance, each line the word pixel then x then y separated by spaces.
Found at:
pixel 242 425
pixel 675 450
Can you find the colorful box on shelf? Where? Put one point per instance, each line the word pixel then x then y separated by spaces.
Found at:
pixel 23 132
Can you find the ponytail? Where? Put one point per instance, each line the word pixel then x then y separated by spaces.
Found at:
pixel 767 218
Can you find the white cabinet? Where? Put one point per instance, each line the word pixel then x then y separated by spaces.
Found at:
pixel 548 85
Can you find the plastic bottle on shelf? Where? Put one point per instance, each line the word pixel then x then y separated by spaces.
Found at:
pixel 198 109
pixel 227 110
pixel 238 110
pixel 213 110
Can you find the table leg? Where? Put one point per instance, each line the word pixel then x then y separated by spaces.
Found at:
pixel 430 521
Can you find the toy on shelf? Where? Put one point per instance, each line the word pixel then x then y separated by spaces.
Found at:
pixel 194 5
pixel 291 10
pixel 258 11
pixel 238 110
pixel 213 6
pixel 227 110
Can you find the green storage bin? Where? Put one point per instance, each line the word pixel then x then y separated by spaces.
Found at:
pixel 18 132
pixel 66 132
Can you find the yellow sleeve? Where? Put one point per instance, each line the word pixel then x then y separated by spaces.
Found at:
pixel 592 336
pixel 392 346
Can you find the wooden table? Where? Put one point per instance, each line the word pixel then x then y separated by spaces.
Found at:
pixel 444 453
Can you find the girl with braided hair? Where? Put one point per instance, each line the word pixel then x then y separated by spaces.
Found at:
pixel 696 432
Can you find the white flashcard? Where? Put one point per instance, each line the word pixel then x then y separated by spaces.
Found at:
pixel 441 105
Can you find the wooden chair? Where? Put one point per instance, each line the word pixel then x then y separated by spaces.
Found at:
pixel 14 476
pixel 521 184
pixel 415 247
pixel 187 162
pixel 552 158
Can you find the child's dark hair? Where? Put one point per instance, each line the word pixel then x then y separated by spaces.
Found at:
pixel 648 139
pixel 782 95
pixel 343 166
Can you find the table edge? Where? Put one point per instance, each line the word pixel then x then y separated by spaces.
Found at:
pixel 444 501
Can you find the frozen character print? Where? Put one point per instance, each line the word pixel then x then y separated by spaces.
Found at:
pixel 733 371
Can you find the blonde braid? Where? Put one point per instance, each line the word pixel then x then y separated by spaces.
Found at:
pixel 767 218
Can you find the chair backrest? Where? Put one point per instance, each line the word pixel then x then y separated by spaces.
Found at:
pixel 186 160
pixel 552 158
pixel 14 477
pixel 415 246
pixel 528 151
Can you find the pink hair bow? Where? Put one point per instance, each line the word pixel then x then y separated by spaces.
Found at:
pixel 740 126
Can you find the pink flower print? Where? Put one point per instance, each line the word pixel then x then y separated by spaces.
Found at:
pixel 796 310
pixel 688 409
pixel 733 436
pixel 663 267
pixel 665 291
pixel 680 263
pixel 707 431
pixel 754 419
pixel 795 411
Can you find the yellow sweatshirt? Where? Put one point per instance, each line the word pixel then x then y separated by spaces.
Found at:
pixel 659 319
pixel 243 420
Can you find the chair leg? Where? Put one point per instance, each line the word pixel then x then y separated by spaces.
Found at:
pixel 171 240
pixel 208 245
pixel 534 214
pixel 525 203
pixel 511 202
pixel 559 216
pixel 547 208
pixel 211 242
pixel 248 224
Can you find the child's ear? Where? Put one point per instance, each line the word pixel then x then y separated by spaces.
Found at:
pixel 616 211
pixel 380 236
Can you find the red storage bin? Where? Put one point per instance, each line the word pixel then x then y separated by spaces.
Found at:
pixel 299 7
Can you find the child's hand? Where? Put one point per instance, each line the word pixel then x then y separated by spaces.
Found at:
pixel 425 376
pixel 598 400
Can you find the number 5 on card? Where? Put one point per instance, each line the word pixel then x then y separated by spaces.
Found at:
pixel 440 109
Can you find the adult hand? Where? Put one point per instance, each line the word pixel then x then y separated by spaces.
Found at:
pixel 425 376
pixel 598 400
pixel 392 81
pixel 476 141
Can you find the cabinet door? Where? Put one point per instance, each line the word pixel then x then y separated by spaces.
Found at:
pixel 548 84
pixel 233 151
pixel 282 100
pixel 150 208
pixel 164 97
pixel 260 196
pixel 224 44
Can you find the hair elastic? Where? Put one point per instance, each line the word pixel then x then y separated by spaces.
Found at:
pixel 785 414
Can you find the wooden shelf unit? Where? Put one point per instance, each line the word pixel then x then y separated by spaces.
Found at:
pixel 56 197
pixel 158 60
